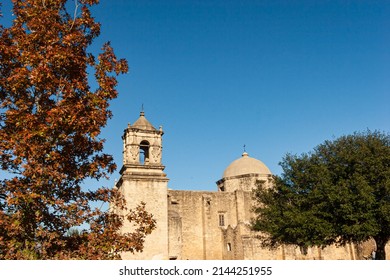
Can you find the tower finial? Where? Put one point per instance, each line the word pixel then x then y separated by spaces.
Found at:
pixel 142 110
pixel 244 154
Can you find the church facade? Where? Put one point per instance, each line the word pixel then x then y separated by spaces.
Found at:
pixel 202 225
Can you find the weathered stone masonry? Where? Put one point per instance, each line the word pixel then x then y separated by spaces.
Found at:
pixel 203 225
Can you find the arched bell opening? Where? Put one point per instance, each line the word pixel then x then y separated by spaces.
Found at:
pixel 144 152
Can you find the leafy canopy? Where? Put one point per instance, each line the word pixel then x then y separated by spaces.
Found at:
pixel 338 193
pixel 50 121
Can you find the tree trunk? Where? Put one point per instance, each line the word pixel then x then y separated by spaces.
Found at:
pixel 380 253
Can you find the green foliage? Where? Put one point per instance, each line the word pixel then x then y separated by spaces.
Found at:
pixel 338 193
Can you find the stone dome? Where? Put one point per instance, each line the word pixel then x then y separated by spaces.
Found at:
pixel 246 165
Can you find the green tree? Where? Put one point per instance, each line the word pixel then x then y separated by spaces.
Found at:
pixel 50 122
pixel 338 193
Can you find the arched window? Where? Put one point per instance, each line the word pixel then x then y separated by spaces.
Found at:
pixel 144 152
pixel 229 247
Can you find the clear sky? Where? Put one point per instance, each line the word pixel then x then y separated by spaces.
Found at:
pixel 278 76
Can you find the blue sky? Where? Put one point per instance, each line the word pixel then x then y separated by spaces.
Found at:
pixel 277 76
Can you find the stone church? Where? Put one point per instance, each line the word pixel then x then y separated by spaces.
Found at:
pixel 202 225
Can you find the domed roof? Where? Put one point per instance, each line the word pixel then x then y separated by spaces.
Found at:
pixel 143 123
pixel 246 165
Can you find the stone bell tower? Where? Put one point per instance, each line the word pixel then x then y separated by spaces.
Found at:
pixel 143 180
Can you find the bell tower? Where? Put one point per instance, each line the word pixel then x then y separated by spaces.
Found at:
pixel 143 180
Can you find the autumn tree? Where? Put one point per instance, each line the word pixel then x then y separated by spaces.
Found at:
pixel 338 193
pixel 50 122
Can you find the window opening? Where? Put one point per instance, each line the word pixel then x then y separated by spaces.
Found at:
pixel 221 220
pixel 229 247
pixel 144 152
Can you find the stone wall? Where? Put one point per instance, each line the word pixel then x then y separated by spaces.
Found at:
pixel 154 193
pixel 243 182
pixel 202 216
pixel 195 231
